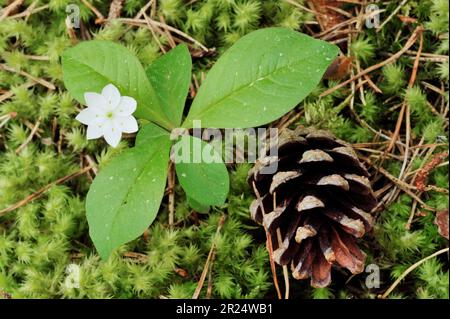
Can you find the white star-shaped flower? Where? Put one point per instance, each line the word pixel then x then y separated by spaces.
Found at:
pixel 108 114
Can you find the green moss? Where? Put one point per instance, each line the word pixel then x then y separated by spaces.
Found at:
pixel 43 242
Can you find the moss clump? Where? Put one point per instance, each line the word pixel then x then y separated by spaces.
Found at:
pixel 44 245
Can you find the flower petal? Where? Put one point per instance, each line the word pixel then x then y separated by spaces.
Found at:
pixel 111 133
pixel 127 124
pixel 112 96
pixel 95 130
pixel 126 106
pixel 86 116
pixel 95 100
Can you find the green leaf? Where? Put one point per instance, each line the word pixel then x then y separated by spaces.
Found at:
pixel 150 132
pixel 170 75
pixel 197 206
pixel 202 173
pixel 91 65
pixel 261 77
pixel 125 196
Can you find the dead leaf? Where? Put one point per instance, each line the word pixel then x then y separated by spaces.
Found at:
pixel 181 272
pixel 406 19
pixel 420 213
pixel 339 68
pixel 441 221
pixel 326 15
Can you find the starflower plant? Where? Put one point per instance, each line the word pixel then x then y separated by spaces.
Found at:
pixel 260 78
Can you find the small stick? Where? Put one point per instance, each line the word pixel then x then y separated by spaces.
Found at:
pixel 13 6
pixel 28 12
pixel 115 8
pixel 372 85
pixel 40 192
pixel 37 57
pixel 411 268
pixel 153 9
pixel 292 120
pixel 428 145
pixel 150 27
pixel 408 44
pixel 100 18
pixel 166 31
pixel 143 10
pixel 172 29
pixel 285 270
pixel 411 216
pixel 208 259
pixel 348 22
pixel 5 118
pixel 414 205
pixel 210 279
pixel 91 163
pixel 392 15
pixel 137 256
pixel 42 82
pixel 170 186
pixel 280 242
pixel 298 5
pixel 268 245
pixel 431 55
pixel 71 31
pixel 340 11
pixel 30 137
pixel 400 184
pixel 405 108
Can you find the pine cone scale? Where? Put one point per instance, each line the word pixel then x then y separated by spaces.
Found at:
pixel 321 272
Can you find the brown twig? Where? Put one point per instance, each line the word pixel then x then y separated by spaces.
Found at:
pixel 411 268
pixel 208 259
pixel 41 191
pixel 5 118
pixel 411 215
pixel 100 17
pixel 162 25
pixel 71 31
pixel 408 44
pixel 42 82
pixel 210 276
pixel 91 163
pixel 408 108
pixel 150 27
pixel 280 242
pixel 30 137
pixel 171 190
pixel 400 184
pixel 405 109
pixel 348 22
pixel 142 258
pixel 115 9
pixel 372 85
pixel 29 12
pixel 392 15
pixel 268 245
pixel 13 6
pixel 166 31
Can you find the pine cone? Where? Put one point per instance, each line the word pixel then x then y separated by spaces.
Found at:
pixel 317 203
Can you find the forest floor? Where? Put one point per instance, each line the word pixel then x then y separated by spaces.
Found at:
pixel 387 95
